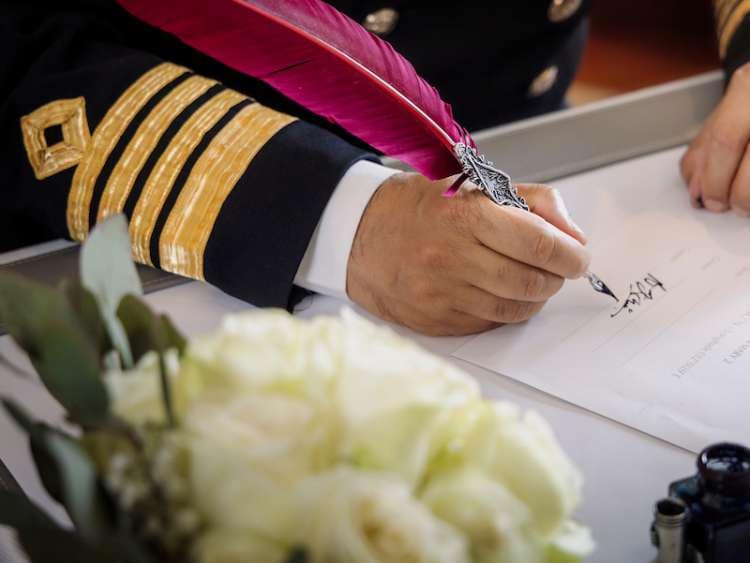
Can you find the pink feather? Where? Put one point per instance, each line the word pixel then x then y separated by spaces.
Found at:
pixel 326 62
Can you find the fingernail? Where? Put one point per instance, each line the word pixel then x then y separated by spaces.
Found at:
pixel 694 191
pixel 741 212
pixel 694 188
pixel 715 206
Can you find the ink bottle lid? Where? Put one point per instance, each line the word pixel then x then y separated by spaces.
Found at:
pixel 725 470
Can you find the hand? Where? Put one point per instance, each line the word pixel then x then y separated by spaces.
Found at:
pixel 716 167
pixel 448 266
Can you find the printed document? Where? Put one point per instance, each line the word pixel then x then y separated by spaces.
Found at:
pixel 672 357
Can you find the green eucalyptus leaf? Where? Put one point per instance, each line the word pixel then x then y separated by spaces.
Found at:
pixel 47 470
pixel 17 511
pixel 86 309
pixel 69 368
pixel 44 324
pixel 80 488
pixel 18 414
pixel 142 326
pixel 107 269
pixel 45 464
pixel 26 307
pixel 146 332
pixel 8 483
pixel 173 337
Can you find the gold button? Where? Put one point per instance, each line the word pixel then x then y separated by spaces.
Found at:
pixel 543 82
pixel 561 10
pixel 381 22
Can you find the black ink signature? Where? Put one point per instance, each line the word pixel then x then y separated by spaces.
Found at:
pixel 640 291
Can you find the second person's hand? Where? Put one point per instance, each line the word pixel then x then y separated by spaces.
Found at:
pixel 449 266
pixel 716 166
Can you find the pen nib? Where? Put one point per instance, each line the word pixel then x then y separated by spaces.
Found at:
pixel 599 285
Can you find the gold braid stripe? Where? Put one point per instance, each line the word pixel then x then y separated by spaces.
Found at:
pixel 722 9
pixel 104 139
pixel 190 223
pixel 144 141
pixel 161 180
pixel 731 23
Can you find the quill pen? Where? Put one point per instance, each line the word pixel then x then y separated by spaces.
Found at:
pixel 329 64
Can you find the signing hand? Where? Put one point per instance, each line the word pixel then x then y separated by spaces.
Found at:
pixel 461 265
pixel 716 167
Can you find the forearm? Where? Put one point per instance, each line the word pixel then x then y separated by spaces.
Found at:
pixel 216 187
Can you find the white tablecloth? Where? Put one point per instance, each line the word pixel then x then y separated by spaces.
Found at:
pixel 625 470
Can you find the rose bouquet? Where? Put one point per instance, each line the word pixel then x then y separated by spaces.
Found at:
pixel 270 440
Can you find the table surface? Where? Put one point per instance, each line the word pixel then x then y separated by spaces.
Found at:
pixel 625 470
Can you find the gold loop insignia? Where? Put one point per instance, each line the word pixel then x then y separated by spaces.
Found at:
pixel 70 116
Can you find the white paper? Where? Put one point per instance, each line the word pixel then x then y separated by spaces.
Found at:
pixel 678 365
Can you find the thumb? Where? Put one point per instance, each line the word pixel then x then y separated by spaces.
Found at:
pixel 549 205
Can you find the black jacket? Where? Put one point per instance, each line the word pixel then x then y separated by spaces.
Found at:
pixel 100 114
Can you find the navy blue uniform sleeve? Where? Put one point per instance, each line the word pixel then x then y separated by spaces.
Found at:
pixel 215 185
pixel 733 33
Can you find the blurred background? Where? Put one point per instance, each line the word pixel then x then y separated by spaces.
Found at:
pixel 639 43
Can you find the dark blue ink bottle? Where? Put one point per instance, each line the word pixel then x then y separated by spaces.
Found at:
pixel 706 517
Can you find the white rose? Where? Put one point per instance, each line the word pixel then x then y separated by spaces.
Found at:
pixel 522 453
pixel 403 441
pixel 248 451
pixel 497 524
pixel 395 399
pixel 348 516
pixel 571 544
pixel 238 546
pixel 368 376
pixel 267 350
pixel 136 394
pixel 384 371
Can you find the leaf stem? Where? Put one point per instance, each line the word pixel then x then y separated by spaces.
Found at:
pixel 166 392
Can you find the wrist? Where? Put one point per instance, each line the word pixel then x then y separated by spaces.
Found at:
pixel 324 266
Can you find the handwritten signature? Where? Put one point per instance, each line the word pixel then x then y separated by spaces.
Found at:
pixel 640 292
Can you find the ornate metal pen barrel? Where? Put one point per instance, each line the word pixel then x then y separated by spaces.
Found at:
pixel 497 186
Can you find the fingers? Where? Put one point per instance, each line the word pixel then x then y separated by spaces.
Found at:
pixel 417 261
pixel 691 160
pixel 528 238
pixel 483 305
pixel 548 204
pixel 504 277
pixel 714 162
pixel 739 199
pixel 721 163
pixel 694 191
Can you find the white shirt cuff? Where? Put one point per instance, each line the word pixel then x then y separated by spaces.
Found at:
pixel 323 267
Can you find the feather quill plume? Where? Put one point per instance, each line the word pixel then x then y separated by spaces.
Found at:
pixel 327 63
